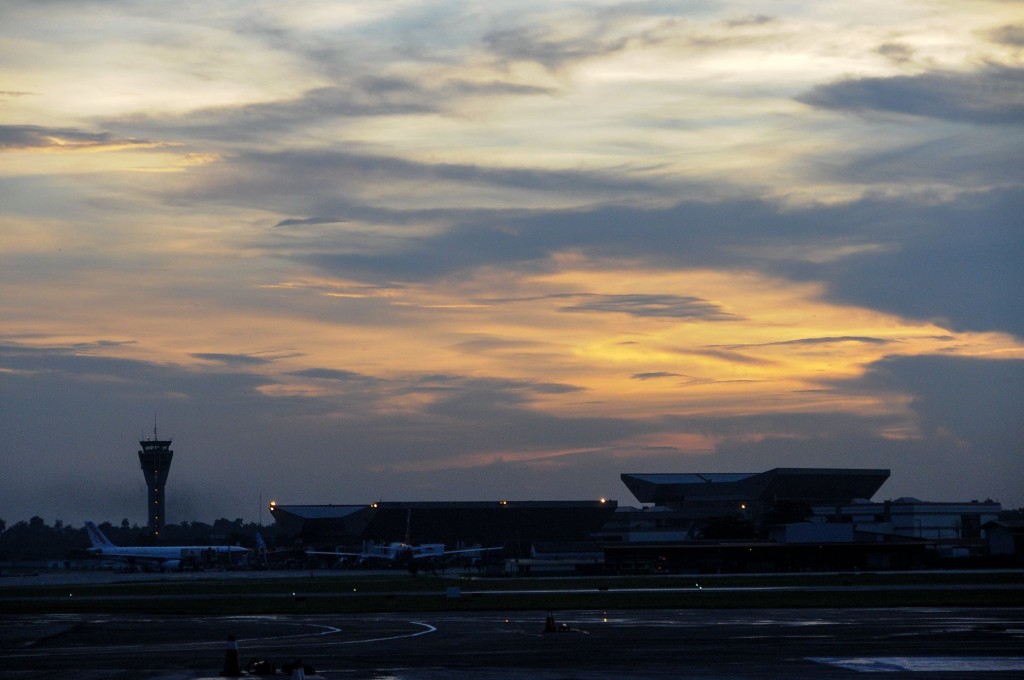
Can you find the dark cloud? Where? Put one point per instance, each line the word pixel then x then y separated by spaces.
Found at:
pixel 724 355
pixel 521 43
pixel 493 88
pixel 1011 34
pixel 953 262
pixel 328 183
pixel 979 158
pixel 368 97
pixel 994 95
pixel 391 169
pixel 818 341
pixel 310 221
pixel 500 389
pixel 957 264
pixel 333 374
pixel 654 375
pixel 359 97
pixel 663 305
pixel 976 402
pixel 488 343
pixel 37 137
pixel 752 20
pixel 899 53
pixel 231 359
pixel 555 50
pixel 635 304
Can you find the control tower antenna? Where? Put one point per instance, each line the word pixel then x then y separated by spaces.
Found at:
pixel 155 459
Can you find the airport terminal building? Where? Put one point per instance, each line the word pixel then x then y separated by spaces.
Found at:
pixel 780 519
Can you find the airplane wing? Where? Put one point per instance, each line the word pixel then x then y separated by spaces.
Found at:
pixel 467 550
pixel 336 554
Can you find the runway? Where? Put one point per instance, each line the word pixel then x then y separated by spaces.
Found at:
pixel 599 645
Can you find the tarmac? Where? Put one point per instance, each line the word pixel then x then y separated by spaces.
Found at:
pixel 596 645
pixel 701 644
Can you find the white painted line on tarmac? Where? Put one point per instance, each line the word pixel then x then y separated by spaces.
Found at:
pixel 427 628
pixel 927 664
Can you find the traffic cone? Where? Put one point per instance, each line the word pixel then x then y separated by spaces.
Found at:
pixel 232 664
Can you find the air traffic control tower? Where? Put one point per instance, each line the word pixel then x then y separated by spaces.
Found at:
pixel 155 459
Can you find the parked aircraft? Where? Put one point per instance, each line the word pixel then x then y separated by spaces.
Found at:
pixel 161 557
pixel 403 553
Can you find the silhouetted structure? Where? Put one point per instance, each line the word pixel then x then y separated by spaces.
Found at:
pixel 516 525
pixel 155 459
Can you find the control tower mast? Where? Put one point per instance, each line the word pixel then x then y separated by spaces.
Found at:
pixel 155 459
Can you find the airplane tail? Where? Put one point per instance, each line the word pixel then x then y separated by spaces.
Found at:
pixel 261 545
pixel 96 537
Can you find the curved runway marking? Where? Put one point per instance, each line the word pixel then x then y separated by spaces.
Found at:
pixel 108 649
pixel 429 629
pixel 330 630
pixel 335 643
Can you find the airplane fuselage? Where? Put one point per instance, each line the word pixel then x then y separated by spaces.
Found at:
pixel 164 557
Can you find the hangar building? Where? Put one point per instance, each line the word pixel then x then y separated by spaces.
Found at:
pixel 516 525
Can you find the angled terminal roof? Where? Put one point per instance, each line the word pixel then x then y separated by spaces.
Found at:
pixel 809 485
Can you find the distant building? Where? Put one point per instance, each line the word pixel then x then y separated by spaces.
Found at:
pixel 941 524
pixel 1005 539
pixel 516 525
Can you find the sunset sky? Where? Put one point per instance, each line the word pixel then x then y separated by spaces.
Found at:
pixel 354 251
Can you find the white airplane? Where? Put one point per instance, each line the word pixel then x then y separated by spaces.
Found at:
pixel 403 553
pixel 163 557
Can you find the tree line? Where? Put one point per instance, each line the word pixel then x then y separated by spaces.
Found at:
pixel 35 540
